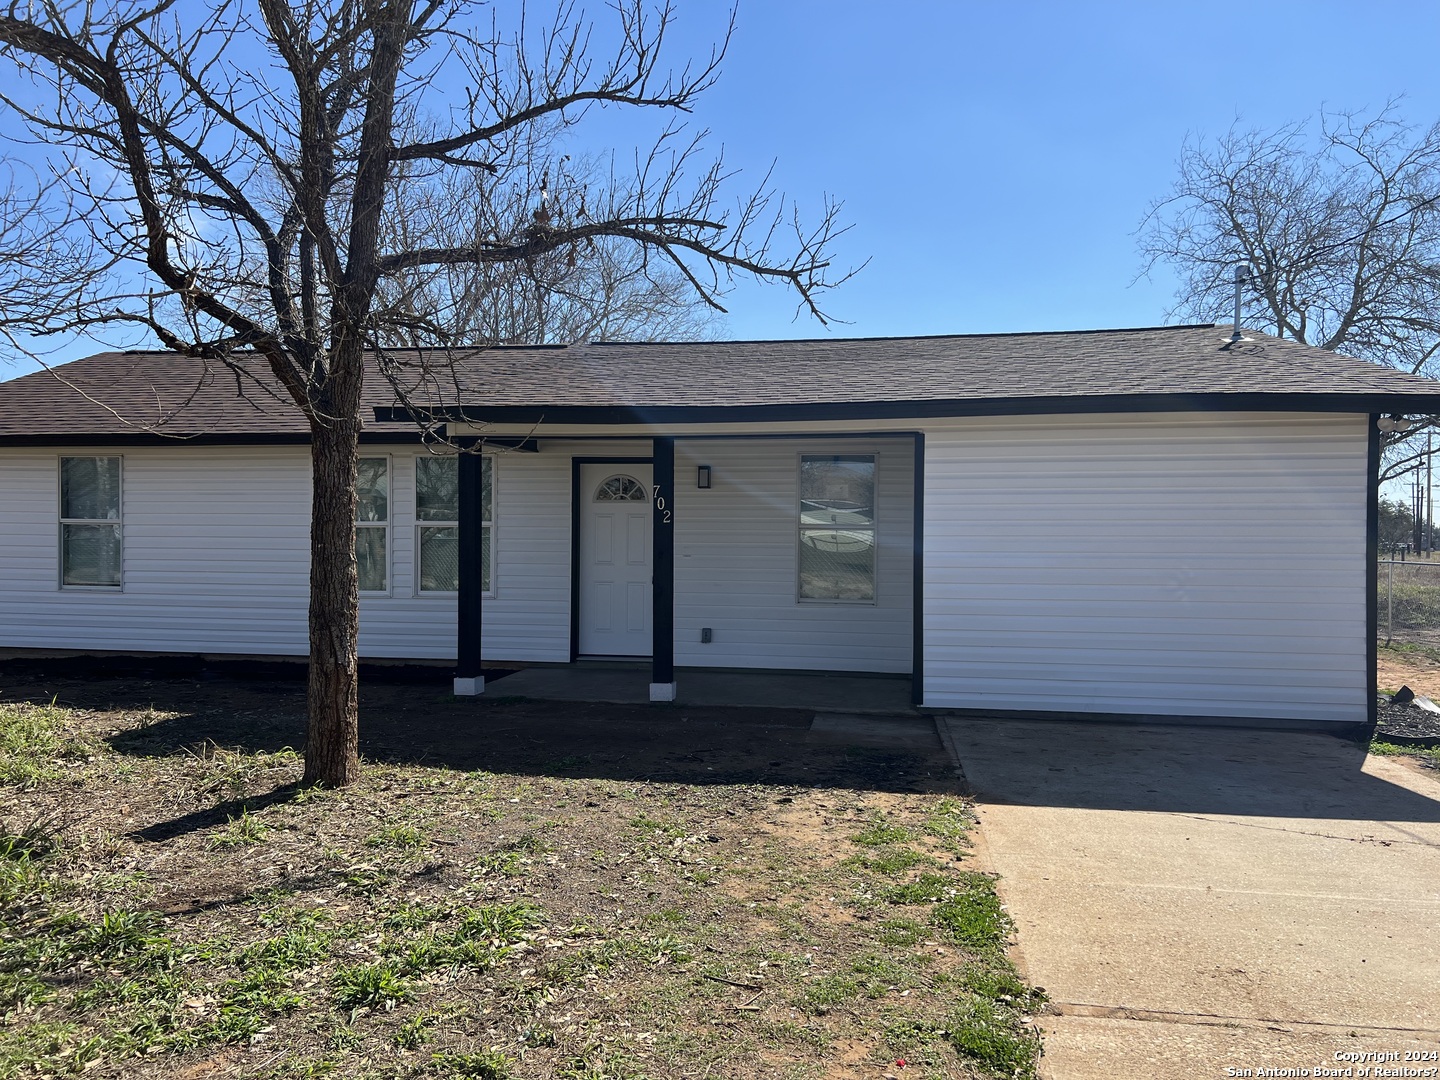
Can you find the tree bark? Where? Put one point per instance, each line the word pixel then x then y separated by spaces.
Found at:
pixel 331 747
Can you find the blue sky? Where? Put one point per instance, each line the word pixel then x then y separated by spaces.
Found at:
pixel 996 159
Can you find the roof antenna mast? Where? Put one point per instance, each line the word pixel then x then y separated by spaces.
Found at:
pixel 1242 275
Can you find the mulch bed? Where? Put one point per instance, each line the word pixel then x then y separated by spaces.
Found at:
pixel 1408 725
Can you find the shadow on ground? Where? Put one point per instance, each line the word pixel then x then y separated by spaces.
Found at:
pixel 423 724
pixel 1200 770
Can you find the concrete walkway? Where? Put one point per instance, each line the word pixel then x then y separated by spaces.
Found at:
pixel 1196 900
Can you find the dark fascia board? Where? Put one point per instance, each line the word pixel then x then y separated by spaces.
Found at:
pixel 242 438
pixel 891 410
pixel 874 410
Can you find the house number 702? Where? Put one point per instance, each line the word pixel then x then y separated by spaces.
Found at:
pixel 660 505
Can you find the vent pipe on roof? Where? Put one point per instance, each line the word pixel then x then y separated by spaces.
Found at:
pixel 1242 275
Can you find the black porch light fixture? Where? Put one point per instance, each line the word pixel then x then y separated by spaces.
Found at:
pixel 702 477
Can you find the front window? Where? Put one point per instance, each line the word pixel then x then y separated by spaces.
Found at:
pixel 837 528
pixel 91 524
pixel 372 524
pixel 437 517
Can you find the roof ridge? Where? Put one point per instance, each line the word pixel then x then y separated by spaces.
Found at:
pixel 919 337
pixel 248 353
pixel 555 347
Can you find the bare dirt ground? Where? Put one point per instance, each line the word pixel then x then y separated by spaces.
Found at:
pixel 1417 668
pixel 1405 728
pixel 514 889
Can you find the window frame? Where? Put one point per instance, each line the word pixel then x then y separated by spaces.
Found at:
pixel 487 463
pixel 873 528
pixel 387 524
pixel 62 521
pixel 645 494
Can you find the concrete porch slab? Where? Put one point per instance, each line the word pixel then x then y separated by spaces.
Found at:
pixel 630 685
pixel 891 732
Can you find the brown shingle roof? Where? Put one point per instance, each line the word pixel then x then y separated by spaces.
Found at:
pixel 119 394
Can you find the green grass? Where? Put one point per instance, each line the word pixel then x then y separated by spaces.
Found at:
pixel 985 1031
pixel 1430 755
pixel 881 834
pixel 527 843
pixel 1411 649
pixel 427 922
pixel 295 950
pixel 900 932
pixel 651 827
pixel 121 933
pixel 892 861
pixel 973 916
pixel 35 839
pixel 926 889
pixel 404 837
pixel 482 938
pixel 501 924
pixel 485 1065
pixel 240 832
pixel 949 822
pixel 371 986
pixel 1413 598
pixel 36 746
pixel 415 1032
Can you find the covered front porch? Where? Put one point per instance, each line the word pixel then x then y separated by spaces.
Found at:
pixel 628 683
pixel 769 568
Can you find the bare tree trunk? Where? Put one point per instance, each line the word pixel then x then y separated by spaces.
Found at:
pixel 331 754
pixel 332 191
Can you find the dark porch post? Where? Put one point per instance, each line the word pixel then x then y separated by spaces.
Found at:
pixel 469 679
pixel 917 568
pixel 662 618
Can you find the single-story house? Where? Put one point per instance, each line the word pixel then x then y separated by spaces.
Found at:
pixel 1153 522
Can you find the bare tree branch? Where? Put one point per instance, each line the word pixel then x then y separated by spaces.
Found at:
pixel 306 182
pixel 1340 220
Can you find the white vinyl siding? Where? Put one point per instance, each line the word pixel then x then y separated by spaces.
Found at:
pixel 1177 564
pixel 1166 564
pixel 526 617
pixel 217 555
pixel 736 560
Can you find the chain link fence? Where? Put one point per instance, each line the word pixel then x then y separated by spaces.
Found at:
pixel 1409 600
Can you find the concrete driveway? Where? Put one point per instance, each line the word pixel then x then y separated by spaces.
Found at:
pixel 1197 900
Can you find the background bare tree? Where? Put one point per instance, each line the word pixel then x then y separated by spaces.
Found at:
pixel 262 178
pixel 1339 218
pixel 604 289
pixel 611 292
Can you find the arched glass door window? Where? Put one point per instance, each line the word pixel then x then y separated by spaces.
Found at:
pixel 621 489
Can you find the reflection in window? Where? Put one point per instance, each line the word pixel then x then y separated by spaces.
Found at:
pixel 372 523
pixel 837 528
pixel 621 489
pixel 437 516
pixel 90 521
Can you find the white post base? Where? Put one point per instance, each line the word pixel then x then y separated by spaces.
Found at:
pixel 470 687
pixel 662 691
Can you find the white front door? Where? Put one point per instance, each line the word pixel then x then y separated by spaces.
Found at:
pixel 615 560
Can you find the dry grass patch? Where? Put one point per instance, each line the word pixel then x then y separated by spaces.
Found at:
pixel 186 911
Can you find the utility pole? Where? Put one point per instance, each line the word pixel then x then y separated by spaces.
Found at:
pixel 1429 497
pixel 1416 538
